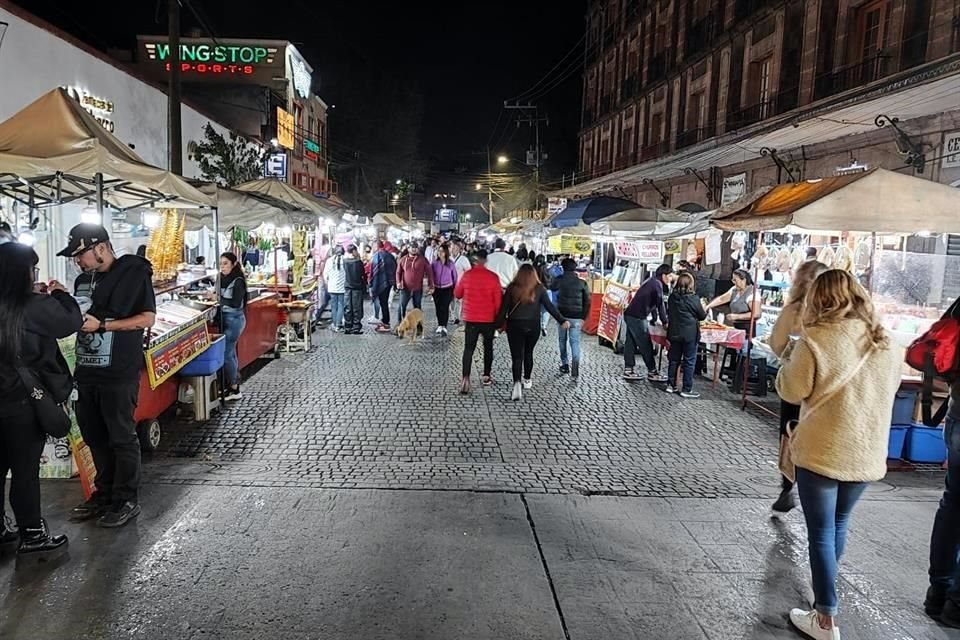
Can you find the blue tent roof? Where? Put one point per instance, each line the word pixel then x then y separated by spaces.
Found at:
pixel 589 210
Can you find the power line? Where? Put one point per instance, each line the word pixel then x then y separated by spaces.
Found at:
pixel 525 94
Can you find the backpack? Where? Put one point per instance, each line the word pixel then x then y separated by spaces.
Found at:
pixel 936 354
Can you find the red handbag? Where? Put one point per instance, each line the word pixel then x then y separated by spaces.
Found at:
pixel 936 354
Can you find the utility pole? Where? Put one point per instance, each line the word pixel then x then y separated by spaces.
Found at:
pixel 531 116
pixel 356 181
pixel 489 188
pixel 174 128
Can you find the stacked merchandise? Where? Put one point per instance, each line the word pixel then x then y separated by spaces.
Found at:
pixel 165 247
pixel 298 243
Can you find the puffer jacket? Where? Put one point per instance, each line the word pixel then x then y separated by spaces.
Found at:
pixel 479 288
pixel 684 313
pixel 573 296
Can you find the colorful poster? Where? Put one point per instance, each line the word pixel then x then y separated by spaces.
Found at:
pixel 615 299
pixel 573 245
pixel 642 250
pixel 168 357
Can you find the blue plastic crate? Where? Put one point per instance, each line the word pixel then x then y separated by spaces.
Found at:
pixel 925 445
pixel 208 362
pixel 898 438
pixel 903 406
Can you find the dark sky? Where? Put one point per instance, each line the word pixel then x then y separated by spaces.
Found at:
pixel 465 58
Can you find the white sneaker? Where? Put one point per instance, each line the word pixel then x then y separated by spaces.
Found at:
pixel 373 320
pixel 517 392
pixel 669 389
pixel 443 330
pixel 528 384
pixel 439 330
pixel 806 623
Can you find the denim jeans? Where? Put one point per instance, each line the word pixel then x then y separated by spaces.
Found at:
pixel 233 325
pixel 376 305
pixel 336 309
pixel 827 507
pixel 945 540
pixel 406 296
pixel 684 351
pixel 573 335
pixel 638 338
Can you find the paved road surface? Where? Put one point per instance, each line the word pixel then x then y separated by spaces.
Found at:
pixel 353 494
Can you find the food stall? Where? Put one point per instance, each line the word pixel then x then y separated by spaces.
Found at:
pixel 867 223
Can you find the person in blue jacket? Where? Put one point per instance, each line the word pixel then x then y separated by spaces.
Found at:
pixel 383 273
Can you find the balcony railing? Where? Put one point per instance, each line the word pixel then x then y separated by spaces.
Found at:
pixel 775 105
pixel 852 76
pixel 693 136
pixel 630 87
pixel 654 151
pixel 625 160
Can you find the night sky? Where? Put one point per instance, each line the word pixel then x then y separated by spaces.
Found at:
pixel 463 59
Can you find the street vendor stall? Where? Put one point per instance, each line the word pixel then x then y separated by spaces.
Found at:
pixel 868 220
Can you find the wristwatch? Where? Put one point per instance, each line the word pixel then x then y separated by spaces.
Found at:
pixel 102 328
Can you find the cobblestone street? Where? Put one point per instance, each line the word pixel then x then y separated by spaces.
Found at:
pixel 353 493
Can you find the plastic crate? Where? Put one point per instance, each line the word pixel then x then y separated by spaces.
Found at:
pixel 897 441
pixel 925 445
pixel 208 362
pixel 903 405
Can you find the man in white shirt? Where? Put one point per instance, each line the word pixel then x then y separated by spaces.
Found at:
pixel 502 263
pixel 462 264
pixel 430 253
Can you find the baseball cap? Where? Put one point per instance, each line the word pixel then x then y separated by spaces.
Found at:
pixel 82 237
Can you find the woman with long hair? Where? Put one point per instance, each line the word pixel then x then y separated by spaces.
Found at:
pixel 520 310
pixel 444 282
pixel 788 324
pixel 740 298
pixel 232 292
pixel 685 312
pixel 30 324
pixel 844 372
pixel 336 279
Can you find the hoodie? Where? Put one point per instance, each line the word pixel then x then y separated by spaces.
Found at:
pixel 114 357
pixel 355 277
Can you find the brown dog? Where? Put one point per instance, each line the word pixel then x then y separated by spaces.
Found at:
pixel 411 326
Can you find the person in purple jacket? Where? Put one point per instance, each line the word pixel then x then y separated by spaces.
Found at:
pixel 444 280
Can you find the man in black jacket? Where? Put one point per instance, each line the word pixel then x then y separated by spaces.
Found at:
pixel 573 302
pixel 109 360
pixel 356 284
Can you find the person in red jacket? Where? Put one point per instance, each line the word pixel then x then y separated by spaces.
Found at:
pixel 479 288
pixel 411 270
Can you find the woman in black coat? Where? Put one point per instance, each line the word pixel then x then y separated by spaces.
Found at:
pixel 684 313
pixel 30 324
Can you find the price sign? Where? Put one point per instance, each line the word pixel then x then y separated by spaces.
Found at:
pixel 642 250
pixel 615 298
pixel 171 355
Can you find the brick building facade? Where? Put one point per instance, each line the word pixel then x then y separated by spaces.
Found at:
pixel 671 79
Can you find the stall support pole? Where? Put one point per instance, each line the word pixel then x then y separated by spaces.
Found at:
pixel 101 209
pixel 750 330
pixel 216 235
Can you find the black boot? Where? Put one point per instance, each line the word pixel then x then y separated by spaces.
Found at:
pixel 786 503
pixel 37 543
pixel 8 537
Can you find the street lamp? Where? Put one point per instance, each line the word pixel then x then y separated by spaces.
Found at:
pixel 479 186
pixel 399 181
pixel 502 159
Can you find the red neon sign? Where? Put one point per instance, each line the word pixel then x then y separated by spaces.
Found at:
pixel 214 68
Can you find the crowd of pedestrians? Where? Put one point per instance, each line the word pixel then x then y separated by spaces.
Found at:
pixel 838 377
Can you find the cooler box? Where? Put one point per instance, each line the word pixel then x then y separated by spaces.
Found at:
pixel 898 438
pixel 925 445
pixel 208 362
pixel 903 406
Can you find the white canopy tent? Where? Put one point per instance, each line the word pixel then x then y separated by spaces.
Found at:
pixel 53 152
pixel 292 196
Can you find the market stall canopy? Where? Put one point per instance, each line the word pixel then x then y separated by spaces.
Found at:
pixel 291 195
pixel 389 219
pixel 589 210
pixel 642 221
pixel 879 201
pixel 247 210
pixel 51 152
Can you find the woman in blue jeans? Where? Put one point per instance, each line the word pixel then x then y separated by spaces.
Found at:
pixel 844 372
pixel 685 312
pixel 232 292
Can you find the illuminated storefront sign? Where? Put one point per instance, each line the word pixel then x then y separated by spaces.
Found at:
pixel 100 108
pixel 213 59
pixel 311 150
pixel 301 77
pixel 276 166
pixel 285 128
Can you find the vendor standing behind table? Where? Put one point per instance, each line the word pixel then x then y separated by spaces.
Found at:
pixel 232 293
pixel 109 360
pixel 740 299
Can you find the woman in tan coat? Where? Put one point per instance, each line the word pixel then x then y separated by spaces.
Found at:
pixel 788 324
pixel 844 372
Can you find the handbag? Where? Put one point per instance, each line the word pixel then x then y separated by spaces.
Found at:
pixel 50 412
pixel 937 355
pixel 785 460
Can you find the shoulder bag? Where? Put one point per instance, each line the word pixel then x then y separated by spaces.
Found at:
pixel 787 466
pixel 50 412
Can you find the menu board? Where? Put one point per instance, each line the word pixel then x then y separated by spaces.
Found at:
pixel 643 250
pixel 171 355
pixel 615 299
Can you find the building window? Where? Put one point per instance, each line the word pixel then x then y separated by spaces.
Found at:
pixel 872 38
pixel 656 129
pixel 761 87
pixel 696 113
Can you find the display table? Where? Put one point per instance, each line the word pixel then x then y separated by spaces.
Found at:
pixel 260 335
pixel 728 337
